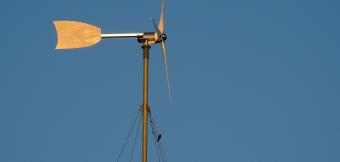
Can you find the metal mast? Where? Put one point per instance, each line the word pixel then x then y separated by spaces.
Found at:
pixel 146 47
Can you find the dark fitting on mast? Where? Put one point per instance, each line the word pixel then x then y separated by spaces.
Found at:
pixel 159 137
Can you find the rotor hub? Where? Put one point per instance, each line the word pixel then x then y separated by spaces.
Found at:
pixel 164 36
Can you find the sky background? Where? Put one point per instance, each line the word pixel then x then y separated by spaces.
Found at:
pixel 253 81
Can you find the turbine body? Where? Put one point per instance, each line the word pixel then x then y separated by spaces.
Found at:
pixel 73 34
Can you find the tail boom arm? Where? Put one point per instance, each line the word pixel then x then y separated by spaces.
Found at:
pixel 122 35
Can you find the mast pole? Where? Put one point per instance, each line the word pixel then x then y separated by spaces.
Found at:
pixel 146 47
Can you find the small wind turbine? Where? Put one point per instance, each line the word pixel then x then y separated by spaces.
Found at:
pixel 73 34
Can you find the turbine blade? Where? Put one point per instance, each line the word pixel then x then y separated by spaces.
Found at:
pixel 161 19
pixel 72 34
pixel 166 70
pixel 158 32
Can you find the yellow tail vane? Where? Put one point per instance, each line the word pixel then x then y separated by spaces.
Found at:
pixel 73 34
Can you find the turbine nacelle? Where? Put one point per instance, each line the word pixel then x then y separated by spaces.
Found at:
pixel 148 38
pixel 151 38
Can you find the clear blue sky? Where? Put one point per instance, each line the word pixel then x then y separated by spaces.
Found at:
pixel 253 81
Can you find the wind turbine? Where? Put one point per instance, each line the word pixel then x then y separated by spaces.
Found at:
pixel 73 34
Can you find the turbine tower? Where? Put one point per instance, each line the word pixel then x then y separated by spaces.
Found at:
pixel 73 34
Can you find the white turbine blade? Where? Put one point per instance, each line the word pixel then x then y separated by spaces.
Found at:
pixel 166 70
pixel 161 19
pixel 158 32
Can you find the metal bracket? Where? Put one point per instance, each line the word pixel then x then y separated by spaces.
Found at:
pixel 147 108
